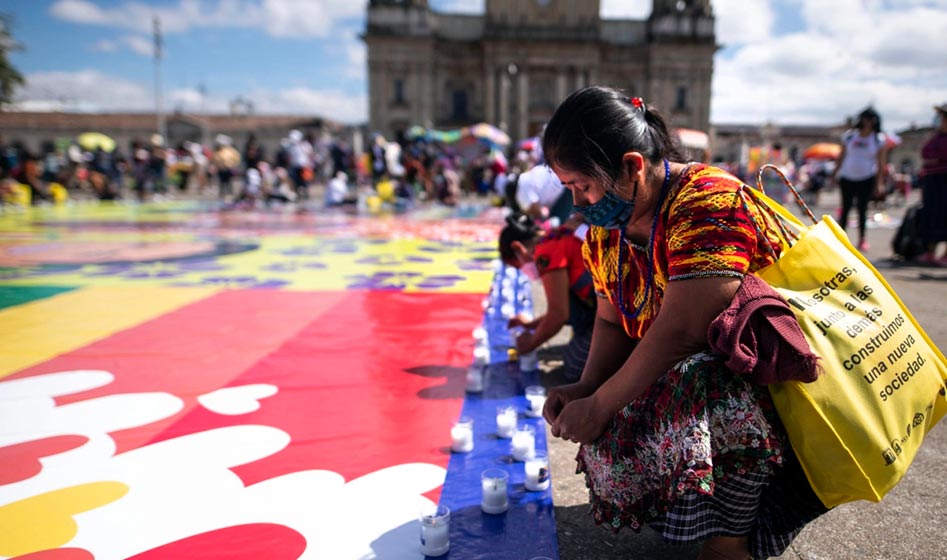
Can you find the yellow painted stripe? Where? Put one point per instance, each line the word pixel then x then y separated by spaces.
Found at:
pixel 37 331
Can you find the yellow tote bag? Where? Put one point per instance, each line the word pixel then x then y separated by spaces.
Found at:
pixel 857 428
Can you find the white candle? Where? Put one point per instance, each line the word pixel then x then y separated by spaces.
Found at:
pixel 536 395
pixel 475 379
pixel 524 443
pixel 435 532
pixel 479 334
pixel 529 361
pixel 461 435
pixel 537 473
pixel 493 498
pixel 506 421
pixel 481 354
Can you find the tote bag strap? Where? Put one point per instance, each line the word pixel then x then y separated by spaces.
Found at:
pixel 795 192
pixel 788 226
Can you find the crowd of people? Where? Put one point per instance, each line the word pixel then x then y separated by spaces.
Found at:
pixel 251 175
pixel 148 169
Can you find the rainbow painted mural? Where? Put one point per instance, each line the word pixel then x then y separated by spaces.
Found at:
pixel 182 382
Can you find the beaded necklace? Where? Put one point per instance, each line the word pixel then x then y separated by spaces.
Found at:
pixel 650 250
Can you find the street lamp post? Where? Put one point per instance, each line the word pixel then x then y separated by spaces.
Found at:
pixel 159 113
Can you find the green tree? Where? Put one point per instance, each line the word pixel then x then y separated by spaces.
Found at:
pixel 10 77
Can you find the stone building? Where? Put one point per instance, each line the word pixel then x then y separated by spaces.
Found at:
pixel 512 65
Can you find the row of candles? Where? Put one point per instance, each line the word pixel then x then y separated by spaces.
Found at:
pixel 509 296
pixel 494 482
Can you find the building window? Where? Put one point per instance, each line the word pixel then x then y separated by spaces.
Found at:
pixel 680 101
pixel 398 90
pixel 459 110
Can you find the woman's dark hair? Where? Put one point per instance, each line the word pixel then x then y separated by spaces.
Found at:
pixel 519 227
pixel 867 114
pixel 595 126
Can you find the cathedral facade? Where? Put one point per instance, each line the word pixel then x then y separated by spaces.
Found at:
pixel 512 65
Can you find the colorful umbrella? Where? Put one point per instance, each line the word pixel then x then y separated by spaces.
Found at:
pixel 95 140
pixel 490 133
pixel 822 150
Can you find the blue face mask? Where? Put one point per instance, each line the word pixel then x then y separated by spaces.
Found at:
pixel 610 212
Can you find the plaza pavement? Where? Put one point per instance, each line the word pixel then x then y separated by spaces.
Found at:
pixel 910 523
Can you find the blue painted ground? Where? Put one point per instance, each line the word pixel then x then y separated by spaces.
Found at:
pixel 528 528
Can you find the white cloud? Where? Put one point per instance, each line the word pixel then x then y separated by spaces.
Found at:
pixel 861 52
pixel 458 6
pixel 334 104
pixel 91 90
pixel 625 9
pixel 278 18
pixel 139 45
pixel 739 22
pixel 87 90
pixel 105 45
pixel 79 11
pixel 357 56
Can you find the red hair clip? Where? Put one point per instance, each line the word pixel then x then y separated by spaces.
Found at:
pixel 637 103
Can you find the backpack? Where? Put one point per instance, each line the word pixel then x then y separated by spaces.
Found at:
pixel 907 242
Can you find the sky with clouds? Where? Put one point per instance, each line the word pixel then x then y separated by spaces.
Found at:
pixel 781 61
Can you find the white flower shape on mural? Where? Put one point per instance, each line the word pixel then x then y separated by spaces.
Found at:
pixel 184 486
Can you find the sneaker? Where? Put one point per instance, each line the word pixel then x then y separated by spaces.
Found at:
pixel 927 259
pixel 863 245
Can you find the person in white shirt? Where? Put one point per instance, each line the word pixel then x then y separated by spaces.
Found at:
pixel 861 169
pixel 541 195
pixel 337 190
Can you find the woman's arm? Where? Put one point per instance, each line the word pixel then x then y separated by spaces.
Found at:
pixel 608 350
pixel 556 286
pixel 610 346
pixel 678 331
pixel 882 156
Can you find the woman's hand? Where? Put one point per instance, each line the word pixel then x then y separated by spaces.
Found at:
pixel 559 397
pixel 522 321
pixel 582 421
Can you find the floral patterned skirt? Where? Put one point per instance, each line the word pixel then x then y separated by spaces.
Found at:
pixel 701 445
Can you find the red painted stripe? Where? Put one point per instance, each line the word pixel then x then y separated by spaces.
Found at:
pixel 376 381
pixel 193 350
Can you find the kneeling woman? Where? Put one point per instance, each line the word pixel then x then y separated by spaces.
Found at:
pixel 670 437
pixel 556 258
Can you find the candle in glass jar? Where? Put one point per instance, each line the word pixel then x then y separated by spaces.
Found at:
pixel 475 378
pixel 461 435
pixel 529 361
pixel 506 421
pixel 524 442
pixel 435 531
pixel 494 498
pixel 537 472
pixel 536 397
